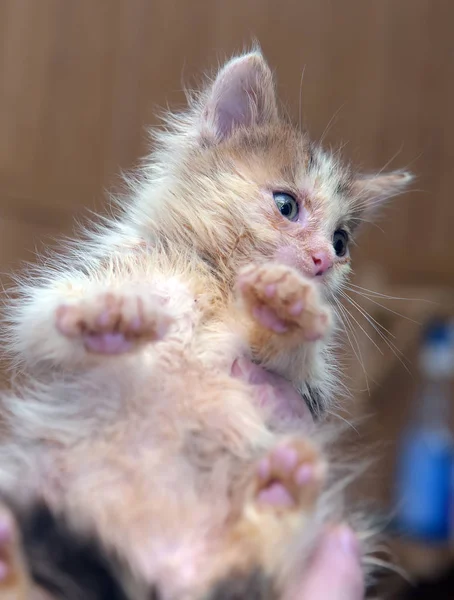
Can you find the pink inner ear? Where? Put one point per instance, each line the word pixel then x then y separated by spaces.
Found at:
pixel 234 107
pixel 243 94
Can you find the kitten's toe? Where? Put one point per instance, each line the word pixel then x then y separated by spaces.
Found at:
pixel 315 324
pixel 290 477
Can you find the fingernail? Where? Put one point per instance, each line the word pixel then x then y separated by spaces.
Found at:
pixel 343 538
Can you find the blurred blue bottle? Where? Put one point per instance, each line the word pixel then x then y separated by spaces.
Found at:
pixel 425 459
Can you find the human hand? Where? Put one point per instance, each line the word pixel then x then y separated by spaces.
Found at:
pixel 335 571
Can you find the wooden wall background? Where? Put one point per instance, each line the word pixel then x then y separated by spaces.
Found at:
pixel 80 80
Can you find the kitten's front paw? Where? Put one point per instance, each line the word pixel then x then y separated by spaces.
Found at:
pixel 290 477
pixel 113 322
pixel 282 301
pixel 13 574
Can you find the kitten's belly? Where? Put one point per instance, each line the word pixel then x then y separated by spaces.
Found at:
pixel 144 504
pixel 130 476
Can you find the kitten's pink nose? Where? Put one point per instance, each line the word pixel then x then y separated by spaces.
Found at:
pixel 322 262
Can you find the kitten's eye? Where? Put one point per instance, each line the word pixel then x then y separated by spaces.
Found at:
pixel 340 242
pixel 287 205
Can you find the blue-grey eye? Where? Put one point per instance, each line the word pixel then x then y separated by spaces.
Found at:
pixel 286 205
pixel 340 242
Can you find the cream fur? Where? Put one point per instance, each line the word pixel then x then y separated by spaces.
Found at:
pixel 161 440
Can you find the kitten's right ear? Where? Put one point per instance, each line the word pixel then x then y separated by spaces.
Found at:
pixel 242 95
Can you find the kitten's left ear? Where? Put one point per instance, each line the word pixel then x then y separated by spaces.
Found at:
pixel 242 95
pixel 371 191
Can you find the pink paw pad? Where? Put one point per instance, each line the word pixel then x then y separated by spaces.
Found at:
pixel 296 309
pixel 107 343
pixel 268 318
pixel 304 474
pixel 270 290
pixel 276 495
pixel 289 477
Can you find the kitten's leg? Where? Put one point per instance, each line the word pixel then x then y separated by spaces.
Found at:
pixel 14 578
pixel 271 511
pixel 280 302
pixel 69 321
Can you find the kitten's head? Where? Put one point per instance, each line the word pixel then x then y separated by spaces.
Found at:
pixel 247 186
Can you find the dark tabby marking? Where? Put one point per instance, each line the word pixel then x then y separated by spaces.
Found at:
pixel 65 565
pixel 313 399
pixel 254 586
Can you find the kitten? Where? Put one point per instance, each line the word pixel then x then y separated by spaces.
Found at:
pixel 129 423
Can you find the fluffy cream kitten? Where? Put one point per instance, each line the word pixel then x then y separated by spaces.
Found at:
pixel 128 420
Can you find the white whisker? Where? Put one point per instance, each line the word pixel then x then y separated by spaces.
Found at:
pixel 358 354
pixel 300 108
pixel 396 351
pixel 387 308
pixel 330 123
pixel 337 416
pixel 386 296
pixel 362 328
pixel 369 317
pixel 378 562
pixel 372 321
pixel 386 165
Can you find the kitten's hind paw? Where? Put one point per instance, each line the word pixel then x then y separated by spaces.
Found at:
pixel 282 301
pixel 290 477
pixel 14 581
pixel 114 322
